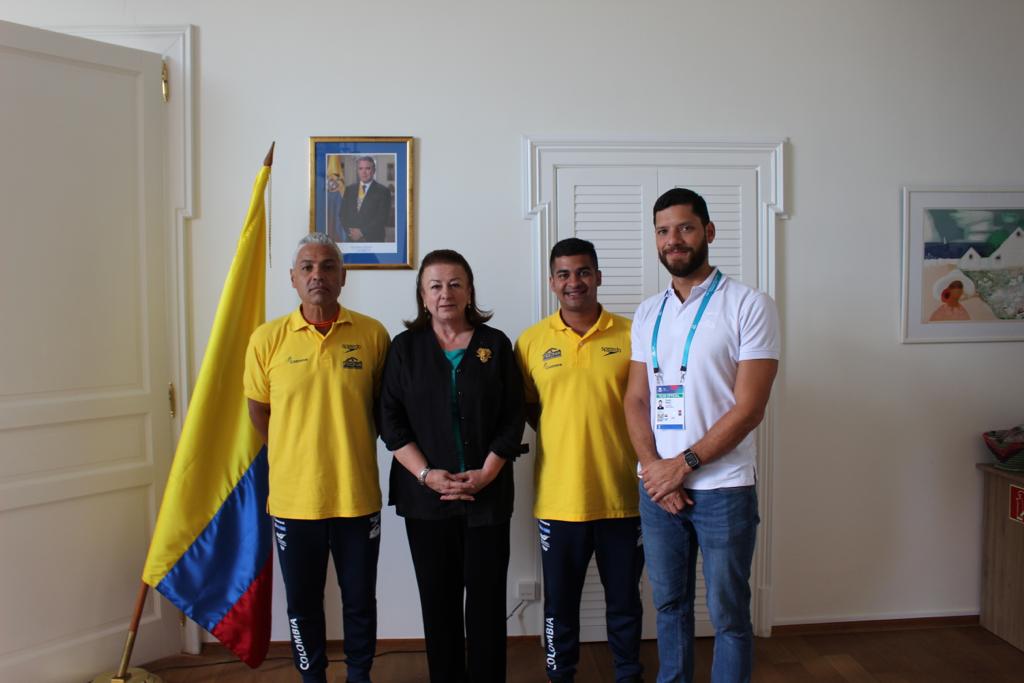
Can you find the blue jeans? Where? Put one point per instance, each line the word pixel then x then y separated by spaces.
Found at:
pixel 722 523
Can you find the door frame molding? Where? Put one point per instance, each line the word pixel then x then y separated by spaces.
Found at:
pixel 541 158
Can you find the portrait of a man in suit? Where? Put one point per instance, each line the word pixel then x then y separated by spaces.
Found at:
pixel 366 207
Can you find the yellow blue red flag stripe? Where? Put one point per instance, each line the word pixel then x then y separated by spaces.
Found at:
pixel 211 549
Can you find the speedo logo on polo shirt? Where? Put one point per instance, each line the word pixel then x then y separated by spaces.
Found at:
pixel 292 360
pixel 610 350
pixel 552 358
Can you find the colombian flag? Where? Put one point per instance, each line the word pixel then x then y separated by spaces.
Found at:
pixel 211 549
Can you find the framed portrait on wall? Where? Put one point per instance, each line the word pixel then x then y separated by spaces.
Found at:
pixel 360 193
pixel 963 265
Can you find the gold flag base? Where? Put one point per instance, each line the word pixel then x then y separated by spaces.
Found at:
pixel 132 675
pixel 124 674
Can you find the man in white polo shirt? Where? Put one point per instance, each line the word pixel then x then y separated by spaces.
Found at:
pixel 704 355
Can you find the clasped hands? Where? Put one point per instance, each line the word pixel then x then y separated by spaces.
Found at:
pixel 457 485
pixel 663 481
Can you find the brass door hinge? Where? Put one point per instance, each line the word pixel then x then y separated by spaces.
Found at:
pixel 172 400
pixel 165 82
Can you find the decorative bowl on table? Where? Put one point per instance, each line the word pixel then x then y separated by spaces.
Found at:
pixel 1008 447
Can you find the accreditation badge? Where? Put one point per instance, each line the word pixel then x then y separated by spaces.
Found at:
pixel 669 411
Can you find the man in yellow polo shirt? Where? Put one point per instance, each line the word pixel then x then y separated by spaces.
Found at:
pixel 575 364
pixel 311 378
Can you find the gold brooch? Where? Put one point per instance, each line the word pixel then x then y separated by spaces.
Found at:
pixel 484 355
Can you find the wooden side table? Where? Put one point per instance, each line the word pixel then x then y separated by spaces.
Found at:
pixel 1002 566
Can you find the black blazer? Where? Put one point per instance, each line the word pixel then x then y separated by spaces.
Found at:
pixel 373 216
pixel 415 405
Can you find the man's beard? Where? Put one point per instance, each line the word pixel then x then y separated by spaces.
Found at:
pixel 699 257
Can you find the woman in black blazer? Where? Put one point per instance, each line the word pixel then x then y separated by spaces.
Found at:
pixel 452 412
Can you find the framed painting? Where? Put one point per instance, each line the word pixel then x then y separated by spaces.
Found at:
pixel 360 193
pixel 963 265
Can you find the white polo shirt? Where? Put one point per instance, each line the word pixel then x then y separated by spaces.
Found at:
pixel 740 323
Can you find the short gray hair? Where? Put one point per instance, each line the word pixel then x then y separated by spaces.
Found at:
pixel 323 240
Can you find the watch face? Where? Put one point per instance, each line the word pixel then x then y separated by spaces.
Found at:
pixel 692 460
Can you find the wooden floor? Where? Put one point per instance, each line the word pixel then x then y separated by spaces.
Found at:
pixel 965 654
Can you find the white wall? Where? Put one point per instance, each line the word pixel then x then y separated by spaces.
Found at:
pixel 877 510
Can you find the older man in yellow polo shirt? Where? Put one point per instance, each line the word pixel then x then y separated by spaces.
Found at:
pixel 311 377
pixel 575 365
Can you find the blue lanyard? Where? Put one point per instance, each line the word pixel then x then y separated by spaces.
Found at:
pixel 693 328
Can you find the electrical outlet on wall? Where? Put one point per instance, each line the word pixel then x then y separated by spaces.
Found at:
pixel 527 590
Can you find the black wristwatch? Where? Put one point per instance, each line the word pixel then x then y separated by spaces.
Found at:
pixel 692 459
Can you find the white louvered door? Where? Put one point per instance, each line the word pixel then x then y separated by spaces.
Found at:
pixel 612 207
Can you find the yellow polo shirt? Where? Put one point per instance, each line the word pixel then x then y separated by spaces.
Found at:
pixel 586 466
pixel 321 389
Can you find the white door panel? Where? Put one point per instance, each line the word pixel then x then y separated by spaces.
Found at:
pixel 85 436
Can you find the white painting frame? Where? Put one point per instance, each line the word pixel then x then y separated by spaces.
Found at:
pixel 962 245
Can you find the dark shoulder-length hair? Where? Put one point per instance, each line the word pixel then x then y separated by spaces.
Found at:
pixel 474 315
